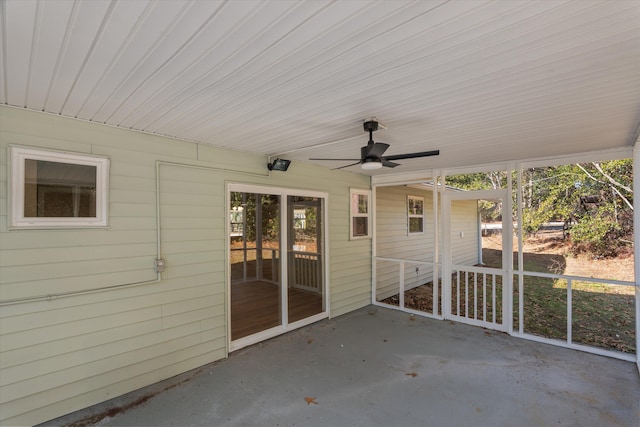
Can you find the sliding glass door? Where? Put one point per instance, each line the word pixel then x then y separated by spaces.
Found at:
pixel 305 288
pixel 271 292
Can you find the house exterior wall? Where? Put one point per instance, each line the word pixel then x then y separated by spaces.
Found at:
pixel 61 354
pixel 465 232
pixel 394 241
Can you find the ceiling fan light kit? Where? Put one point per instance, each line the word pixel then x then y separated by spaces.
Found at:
pixel 371 164
pixel 371 155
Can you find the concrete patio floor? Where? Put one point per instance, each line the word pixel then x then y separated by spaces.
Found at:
pixel 380 367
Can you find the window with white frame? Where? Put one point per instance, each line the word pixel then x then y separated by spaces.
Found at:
pixel 359 212
pixel 415 214
pixel 300 219
pixel 58 189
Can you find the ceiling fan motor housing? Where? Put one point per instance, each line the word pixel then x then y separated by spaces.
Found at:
pixel 370 126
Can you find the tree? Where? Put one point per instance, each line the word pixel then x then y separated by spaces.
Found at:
pixel 489 210
pixel 594 201
pixel 270 205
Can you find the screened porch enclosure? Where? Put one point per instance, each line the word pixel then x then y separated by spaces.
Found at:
pixel 263 281
pixel 490 270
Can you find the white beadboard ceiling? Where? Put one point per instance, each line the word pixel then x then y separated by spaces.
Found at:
pixel 482 81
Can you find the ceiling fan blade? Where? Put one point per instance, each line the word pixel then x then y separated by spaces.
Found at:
pixel 412 155
pixel 389 164
pixel 352 164
pixel 340 160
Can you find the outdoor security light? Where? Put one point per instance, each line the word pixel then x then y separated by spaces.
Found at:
pixel 279 165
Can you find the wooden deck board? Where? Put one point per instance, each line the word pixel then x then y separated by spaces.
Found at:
pixel 255 307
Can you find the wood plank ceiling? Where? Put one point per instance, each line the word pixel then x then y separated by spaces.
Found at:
pixel 482 81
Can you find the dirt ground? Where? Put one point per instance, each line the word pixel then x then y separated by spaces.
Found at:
pixel 551 243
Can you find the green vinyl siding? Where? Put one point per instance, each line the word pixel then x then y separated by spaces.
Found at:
pixel 394 241
pixel 121 329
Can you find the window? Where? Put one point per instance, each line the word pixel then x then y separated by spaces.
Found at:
pixel 300 219
pixel 415 214
pixel 56 189
pixel 360 208
pixel 236 220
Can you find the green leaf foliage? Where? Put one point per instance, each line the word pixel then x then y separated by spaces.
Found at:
pixel 593 200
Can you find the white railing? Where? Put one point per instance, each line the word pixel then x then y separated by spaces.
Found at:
pixel 306 272
pixel 305 268
pixel 387 286
pixel 259 273
pixel 569 340
pixel 484 285
pixel 391 283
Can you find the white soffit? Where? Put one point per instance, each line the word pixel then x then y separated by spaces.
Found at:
pixel 482 81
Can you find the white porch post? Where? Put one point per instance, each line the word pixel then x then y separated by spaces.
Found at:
pixel 445 255
pixel 636 243
pixel 437 266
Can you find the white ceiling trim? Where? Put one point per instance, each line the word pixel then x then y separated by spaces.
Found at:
pixel 483 81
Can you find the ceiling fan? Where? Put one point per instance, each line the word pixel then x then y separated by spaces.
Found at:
pixel 371 155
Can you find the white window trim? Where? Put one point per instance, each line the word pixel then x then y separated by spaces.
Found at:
pixel 17 157
pixel 353 215
pixel 410 215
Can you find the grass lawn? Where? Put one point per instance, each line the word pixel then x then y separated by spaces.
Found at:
pixel 603 315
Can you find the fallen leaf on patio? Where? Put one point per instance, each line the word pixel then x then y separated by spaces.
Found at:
pixel 310 341
pixel 487 333
pixel 310 400
pixel 412 374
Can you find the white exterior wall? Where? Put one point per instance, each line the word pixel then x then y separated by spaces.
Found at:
pixel 62 354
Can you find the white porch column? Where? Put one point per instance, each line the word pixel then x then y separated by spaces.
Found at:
pixel 636 243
